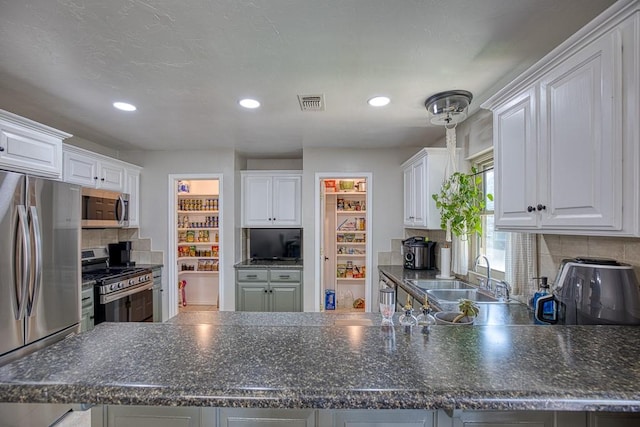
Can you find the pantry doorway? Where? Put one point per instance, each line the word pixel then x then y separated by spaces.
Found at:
pixel 195 243
pixel 343 233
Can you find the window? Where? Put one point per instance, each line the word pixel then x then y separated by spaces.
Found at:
pixel 491 244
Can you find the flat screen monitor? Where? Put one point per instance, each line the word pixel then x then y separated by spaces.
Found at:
pixel 275 243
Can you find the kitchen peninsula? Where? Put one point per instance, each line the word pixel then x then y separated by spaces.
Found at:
pixel 330 362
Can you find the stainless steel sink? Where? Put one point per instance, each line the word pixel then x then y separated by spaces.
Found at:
pixel 440 284
pixel 449 295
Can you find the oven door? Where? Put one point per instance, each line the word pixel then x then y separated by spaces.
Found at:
pixel 128 305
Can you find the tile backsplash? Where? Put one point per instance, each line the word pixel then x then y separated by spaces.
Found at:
pixel 141 251
pixel 552 249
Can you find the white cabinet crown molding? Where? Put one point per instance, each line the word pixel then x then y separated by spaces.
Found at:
pixel 604 22
pixel 16 120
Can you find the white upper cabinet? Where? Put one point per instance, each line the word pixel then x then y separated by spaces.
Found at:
pixel 423 177
pixel 271 199
pixel 30 147
pixel 92 170
pixel 565 161
pixel 132 188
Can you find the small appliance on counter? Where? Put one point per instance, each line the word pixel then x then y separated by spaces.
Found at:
pixel 592 291
pixel 120 254
pixel 419 253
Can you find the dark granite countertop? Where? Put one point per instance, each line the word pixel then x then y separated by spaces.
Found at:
pixel 247 362
pixel 265 264
pixel 514 313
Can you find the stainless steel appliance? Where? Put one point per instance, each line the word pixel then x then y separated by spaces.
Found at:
pixel 120 254
pixel 39 263
pixel 121 293
pixel 592 291
pixel 419 253
pixel 104 209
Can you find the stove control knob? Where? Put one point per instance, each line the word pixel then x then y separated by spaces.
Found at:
pixel 131 282
pixel 146 277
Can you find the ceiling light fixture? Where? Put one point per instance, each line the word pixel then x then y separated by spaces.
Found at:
pixel 249 103
pixel 448 108
pixel 379 101
pixel 124 106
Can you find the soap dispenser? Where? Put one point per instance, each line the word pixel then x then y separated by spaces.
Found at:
pixel 543 289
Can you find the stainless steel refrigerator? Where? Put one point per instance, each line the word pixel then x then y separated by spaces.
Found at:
pixel 39 263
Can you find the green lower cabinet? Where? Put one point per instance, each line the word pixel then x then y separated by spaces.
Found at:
pixel 377 418
pixel 268 290
pixel 151 416
pixel 232 417
pixel 252 297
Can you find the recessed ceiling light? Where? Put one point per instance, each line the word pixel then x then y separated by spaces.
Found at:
pixel 379 101
pixel 124 106
pixel 249 103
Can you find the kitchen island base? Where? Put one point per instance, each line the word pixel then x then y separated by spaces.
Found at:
pixel 129 416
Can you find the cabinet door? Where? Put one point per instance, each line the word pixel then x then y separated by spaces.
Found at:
pixel 132 188
pixel 252 297
pixel 23 150
pixel 581 139
pixel 613 419
pixel 407 174
pixel 287 200
pixel 111 176
pixel 257 199
pixel 248 417
pixel 284 297
pixel 504 419
pixel 516 163
pixel 378 418
pixel 419 179
pixel 152 416
pixel 80 169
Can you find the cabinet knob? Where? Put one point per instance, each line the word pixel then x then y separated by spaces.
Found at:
pixel 1 149
pixel 271 291
pixel 95 177
pixel 101 179
pixel 530 208
pixel 265 291
pixel 541 207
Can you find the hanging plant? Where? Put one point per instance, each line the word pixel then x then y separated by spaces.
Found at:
pixel 461 202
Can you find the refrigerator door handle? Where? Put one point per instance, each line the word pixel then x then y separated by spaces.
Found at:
pixel 34 225
pixel 22 260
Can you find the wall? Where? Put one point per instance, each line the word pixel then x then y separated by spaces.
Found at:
pixel 154 201
pixel 386 200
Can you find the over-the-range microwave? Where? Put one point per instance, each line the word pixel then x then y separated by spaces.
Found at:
pixel 104 209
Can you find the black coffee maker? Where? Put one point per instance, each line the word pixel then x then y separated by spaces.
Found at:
pixel 120 254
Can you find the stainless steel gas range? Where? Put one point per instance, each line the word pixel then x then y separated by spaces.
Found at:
pixel 120 293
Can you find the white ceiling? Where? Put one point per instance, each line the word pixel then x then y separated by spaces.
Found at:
pixel 185 64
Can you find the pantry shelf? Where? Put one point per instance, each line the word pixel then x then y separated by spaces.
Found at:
pixel 198 272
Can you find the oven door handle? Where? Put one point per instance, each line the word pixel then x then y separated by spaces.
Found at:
pixel 106 299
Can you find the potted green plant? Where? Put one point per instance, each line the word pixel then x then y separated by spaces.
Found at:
pixel 461 202
pixel 468 310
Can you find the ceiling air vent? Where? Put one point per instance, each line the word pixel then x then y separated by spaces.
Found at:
pixel 311 102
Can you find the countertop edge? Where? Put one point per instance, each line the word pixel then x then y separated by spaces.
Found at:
pixel 307 399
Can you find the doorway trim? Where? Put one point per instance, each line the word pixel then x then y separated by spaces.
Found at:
pixel 318 262
pixel 172 239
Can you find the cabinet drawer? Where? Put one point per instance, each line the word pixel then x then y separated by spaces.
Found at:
pixel 284 275
pixel 252 275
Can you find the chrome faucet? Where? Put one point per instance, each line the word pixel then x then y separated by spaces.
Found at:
pixel 475 269
pixel 506 286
